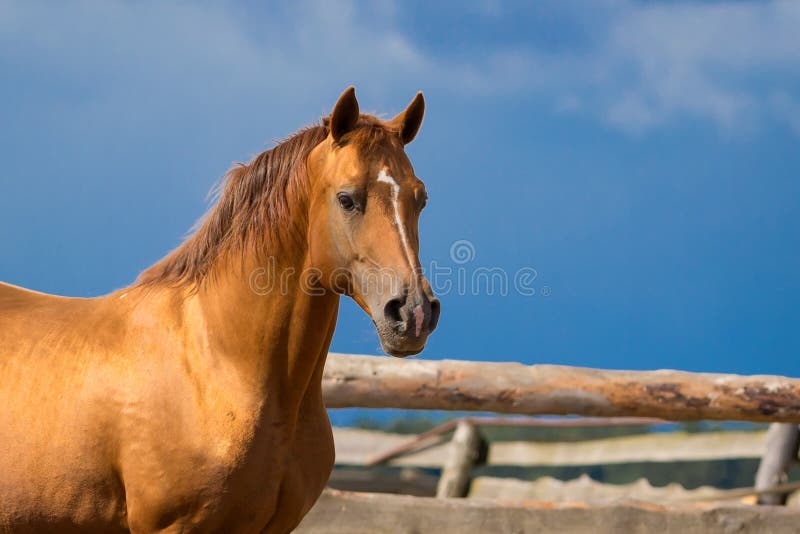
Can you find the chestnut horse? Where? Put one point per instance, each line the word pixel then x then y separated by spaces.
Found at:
pixel 191 401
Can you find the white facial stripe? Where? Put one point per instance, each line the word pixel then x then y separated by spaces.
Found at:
pixel 385 178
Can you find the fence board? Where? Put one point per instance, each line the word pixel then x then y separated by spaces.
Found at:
pixel 380 382
pixel 584 489
pixel 339 512
pixel 356 447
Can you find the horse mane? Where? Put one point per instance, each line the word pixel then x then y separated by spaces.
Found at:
pixel 257 205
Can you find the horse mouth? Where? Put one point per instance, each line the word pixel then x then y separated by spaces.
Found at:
pixel 401 348
pixel 403 353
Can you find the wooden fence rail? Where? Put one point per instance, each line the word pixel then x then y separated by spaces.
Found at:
pixel 380 382
pixel 357 447
pixel 339 512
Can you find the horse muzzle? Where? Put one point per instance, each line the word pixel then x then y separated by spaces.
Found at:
pixel 408 318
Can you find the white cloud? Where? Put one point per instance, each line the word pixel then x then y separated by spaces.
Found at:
pixel 646 65
pixel 651 64
pixel 187 58
pixel 700 59
pixel 714 61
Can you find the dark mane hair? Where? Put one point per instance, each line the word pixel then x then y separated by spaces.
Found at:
pixel 257 205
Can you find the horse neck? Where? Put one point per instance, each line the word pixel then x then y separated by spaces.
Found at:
pixel 277 336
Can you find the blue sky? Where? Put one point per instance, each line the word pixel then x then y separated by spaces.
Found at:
pixel 642 157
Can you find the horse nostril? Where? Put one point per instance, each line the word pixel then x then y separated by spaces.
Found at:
pixel 435 309
pixel 392 310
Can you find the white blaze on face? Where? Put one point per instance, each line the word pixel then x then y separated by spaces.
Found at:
pixel 383 177
pixel 386 179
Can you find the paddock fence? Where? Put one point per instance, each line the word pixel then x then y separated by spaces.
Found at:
pixel 592 397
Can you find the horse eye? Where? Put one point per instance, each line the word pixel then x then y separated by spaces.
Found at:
pixel 346 201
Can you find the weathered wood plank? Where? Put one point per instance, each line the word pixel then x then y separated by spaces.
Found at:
pixel 435 434
pixel 356 446
pixel 343 513
pixel 656 447
pixel 376 382
pixel 585 489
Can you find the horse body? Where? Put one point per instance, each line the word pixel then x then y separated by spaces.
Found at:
pixel 49 437
pixel 148 428
pixel 191 401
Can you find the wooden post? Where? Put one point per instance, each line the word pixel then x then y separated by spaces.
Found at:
pixel 781 451
pixel 465 452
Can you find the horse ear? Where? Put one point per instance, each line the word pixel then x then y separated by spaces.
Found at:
pixel 345 114
pixel 409 121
